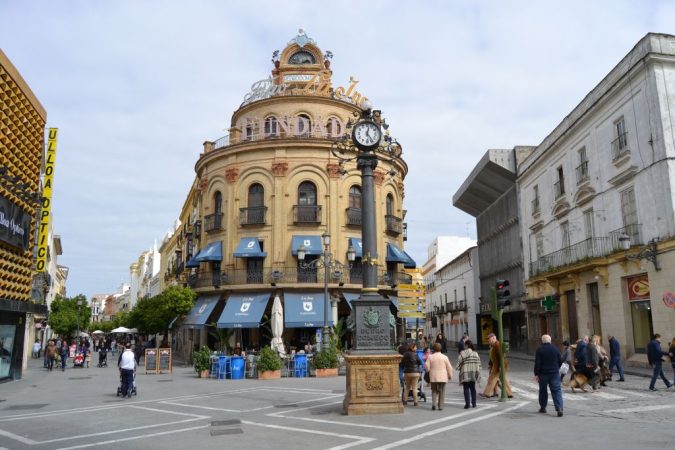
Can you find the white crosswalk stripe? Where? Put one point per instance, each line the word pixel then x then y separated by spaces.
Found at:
pixel 534 394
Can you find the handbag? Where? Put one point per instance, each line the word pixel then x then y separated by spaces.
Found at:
pixel 427 379
pixel 564 368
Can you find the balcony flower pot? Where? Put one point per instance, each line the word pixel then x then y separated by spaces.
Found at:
pixel 204 374
pixel 269 375
pixel 330 372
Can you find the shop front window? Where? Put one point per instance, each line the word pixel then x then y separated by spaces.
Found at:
pixel 7 333
pixel 641 315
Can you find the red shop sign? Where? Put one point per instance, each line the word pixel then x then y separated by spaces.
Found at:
pixel 638 287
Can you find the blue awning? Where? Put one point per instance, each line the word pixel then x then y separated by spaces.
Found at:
pixel 358 246
pixel 212 252
pixel 394 301
pixel 192 263
pixel 243 311
pixel 201 311
pixel 304 310
pixel 395 254
pixel 350 297
pixel 249 248
pixel 312 245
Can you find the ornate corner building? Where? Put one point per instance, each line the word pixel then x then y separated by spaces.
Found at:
pixel 272 186
pixel 22 126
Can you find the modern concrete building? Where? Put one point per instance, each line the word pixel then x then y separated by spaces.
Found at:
pixel 22 128
pixel 272 188
pixel 603 179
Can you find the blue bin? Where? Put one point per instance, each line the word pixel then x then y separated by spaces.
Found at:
pixel 300 365
pixel 237 367
pixel 223 366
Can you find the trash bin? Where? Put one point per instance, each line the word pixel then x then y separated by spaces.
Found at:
pixel 223 367
pixel 300 365
pixel 237 367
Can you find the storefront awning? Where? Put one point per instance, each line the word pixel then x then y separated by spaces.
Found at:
pixel 312 245
pixel 201 311
pixel 249 248
pixel 357 245
pixel 304 310
pixel 350 297
pixel 395 254
pixel 394 301
pixel 212 252
pixel 243 311
pixel 192 263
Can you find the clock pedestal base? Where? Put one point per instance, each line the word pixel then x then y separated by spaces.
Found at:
pixel 372 384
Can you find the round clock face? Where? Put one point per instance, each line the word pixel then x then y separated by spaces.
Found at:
pixel 367 134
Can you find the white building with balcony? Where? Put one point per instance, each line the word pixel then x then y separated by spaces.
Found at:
pixel 605 176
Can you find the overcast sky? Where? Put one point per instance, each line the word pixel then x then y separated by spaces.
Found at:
pixel 135 87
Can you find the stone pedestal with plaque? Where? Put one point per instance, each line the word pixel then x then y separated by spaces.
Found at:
pixel 372 366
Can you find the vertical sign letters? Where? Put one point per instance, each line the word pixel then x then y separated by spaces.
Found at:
pixel 45 211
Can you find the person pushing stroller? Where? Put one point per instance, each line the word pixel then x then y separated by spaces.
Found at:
pixel 127 366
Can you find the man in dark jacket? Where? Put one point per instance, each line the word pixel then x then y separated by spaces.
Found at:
pixel 547 362
pixel 615 358
pixel 654 355
pixel 580 358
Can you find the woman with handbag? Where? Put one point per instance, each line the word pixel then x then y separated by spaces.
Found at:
pixel 469 366
pixel 440 371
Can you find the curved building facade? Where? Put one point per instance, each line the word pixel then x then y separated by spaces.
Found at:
pixel 273 186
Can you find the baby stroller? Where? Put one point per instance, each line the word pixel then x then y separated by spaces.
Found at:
pixel 133 386
pixel 78 361
pixel 420 391
pixel 102 358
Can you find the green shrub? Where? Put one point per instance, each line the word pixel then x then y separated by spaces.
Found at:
pixel 326 359
pixel 202 359
pixel 268 360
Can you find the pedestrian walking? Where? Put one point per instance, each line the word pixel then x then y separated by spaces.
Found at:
pixel 411 372
pixel 50 354
pixel 64 350
pixel 655 357
pixel 593 364
pixel 469 366
pixel 461 343
pixel 37 348
pixel 127 366
pixel 671 350
pixel 440 339
pixel 547 362
pixel 440 371
pixel 495 370
pixel 615 357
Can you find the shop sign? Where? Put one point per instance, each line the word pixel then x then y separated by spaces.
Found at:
pixel 46 210
pixel 314 84
pixel 638 288
pixel 14 224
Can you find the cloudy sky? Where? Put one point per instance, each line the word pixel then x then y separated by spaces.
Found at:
pixel 136 86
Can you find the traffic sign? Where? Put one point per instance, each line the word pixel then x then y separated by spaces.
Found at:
pixel 411 287
pixel 410 294
pixel 411 314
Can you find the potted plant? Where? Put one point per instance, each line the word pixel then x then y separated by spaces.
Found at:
pixel 326 362
pixel 202 360
pixel 269 364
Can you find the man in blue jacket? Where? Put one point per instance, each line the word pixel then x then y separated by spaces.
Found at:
pixel 615 357
pixel 547 362
pixel 654 354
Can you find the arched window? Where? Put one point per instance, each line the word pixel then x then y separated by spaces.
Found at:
pixel 355 197
pixel 303 125
pixel 390 205
pixel 249 132
pixel 256 196
pixel 334 127
pixel 307 193
pixel 218 203
pixel 271 127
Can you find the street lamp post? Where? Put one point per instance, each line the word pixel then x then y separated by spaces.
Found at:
pixel 328 263
pixel 77 316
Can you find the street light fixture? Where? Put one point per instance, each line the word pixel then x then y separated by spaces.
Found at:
pixel 77 316
pixel 648 252
pixel 329 264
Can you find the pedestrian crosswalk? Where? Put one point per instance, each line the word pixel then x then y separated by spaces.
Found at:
pixel 530 391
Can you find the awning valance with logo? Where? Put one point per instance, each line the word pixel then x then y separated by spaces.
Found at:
pixel 201 311
pixel 304 310
pixel 249 248
pixel 212 252
pixel 243 310
pixel 312 244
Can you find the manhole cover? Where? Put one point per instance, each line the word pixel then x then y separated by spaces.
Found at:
pixel 79 378
pixel 17 407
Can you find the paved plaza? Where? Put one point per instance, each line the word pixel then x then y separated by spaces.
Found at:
pixel 78 408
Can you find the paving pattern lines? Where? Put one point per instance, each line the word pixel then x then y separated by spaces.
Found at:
pixel 29 441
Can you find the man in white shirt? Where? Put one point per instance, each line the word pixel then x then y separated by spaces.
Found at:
pixel 127 365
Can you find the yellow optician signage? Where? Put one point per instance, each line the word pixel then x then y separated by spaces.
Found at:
pixel 46 210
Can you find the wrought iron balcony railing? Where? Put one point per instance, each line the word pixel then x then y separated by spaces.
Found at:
pixel 620 146
pixel 213 222
pixel 306 214
pixel 252 216
pixel 354 216
pixel 582 172
pixel 394 224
